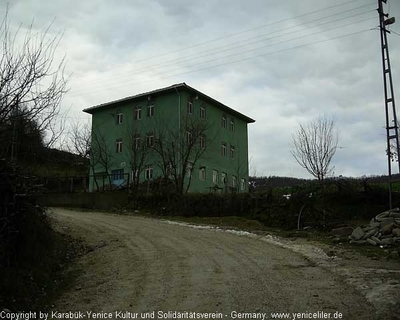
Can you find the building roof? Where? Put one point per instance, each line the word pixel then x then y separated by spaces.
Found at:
pixel 93 109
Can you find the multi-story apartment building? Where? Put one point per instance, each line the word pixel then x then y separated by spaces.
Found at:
pixel 177 133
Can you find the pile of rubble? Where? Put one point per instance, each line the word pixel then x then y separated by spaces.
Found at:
pixel 383 230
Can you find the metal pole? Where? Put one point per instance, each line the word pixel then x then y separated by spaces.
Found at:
pixel 390 108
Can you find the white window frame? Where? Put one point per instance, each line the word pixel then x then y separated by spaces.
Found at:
pixel 148 173
pixel 118 144
pixel 150 140
pixel 223 177
pixel 234 181
pixel 223 121
pixel 150 110
pixel 223 149
pixel 215 177
pixel 136 142
pixel 138 113
pixel 202 174
pixel 119 118
pixel 189 169
pixel 202 112
pixel 242 184
pixel 232 125
pixel 135 174
pixel 189 137
pixel 232 152
pixel 168 170
pixel 202 142
pixel 190 108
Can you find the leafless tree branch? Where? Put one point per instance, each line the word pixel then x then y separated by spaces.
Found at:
pixel 32 83
pixel 314 146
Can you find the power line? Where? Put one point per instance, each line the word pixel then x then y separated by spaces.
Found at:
pixel 248 30
pixel 273 52
pixel 270 38
pixel 398 34
pixel 130 73
pixel 265 34
pixel 269 45
pixel 246 59
pixel 218 50
pixel 258 48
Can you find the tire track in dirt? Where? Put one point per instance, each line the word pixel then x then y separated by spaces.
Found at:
pixel 140 264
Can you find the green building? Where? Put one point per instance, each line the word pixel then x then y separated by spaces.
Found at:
pixel 176 136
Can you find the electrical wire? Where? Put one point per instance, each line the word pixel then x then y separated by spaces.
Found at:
pixel 248 30
pixel 258 48
pixel 244 59
pixel 269 45
pixel 398 34
pixel 218 49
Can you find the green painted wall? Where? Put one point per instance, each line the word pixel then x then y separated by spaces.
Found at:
pixel 169 107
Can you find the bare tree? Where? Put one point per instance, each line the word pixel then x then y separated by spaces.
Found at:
pixel 138 150
pixel 80 140
pixel 32 83
pixel 179 150
pixel 100 156
pixel 240 170
pixel 314 146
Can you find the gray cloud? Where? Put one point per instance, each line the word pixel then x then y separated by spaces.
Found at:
pixel 117 49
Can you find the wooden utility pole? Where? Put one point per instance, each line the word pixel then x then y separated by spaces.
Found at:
pixel 392 133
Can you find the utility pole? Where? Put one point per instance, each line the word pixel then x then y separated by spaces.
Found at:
pixel 390 107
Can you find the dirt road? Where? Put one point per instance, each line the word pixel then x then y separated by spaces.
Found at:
pixel 138 265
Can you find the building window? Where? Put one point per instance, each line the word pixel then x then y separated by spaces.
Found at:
pixel 242 184
pixel 202 174
pixel 190 108
pixel 189 170
pixel 232 125
pixel 150 140
pixel 136 141
pixel 232 152
pixel 223 121
pixel 234 181
pixel 117 174
pixel 202 142
pixel 138 113
pixel 215 176
pixel 202 112
pixel 119 118
pixel 148 173
pixel 223 177
pixel 135 175
pixel 223 149
pixel 150 110
pixel 168 170
pixel 188 137
pixel 118 144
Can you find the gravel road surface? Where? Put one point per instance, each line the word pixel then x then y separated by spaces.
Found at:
pixel 140 267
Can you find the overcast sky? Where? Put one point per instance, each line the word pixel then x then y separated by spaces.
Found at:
pixel 279 62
